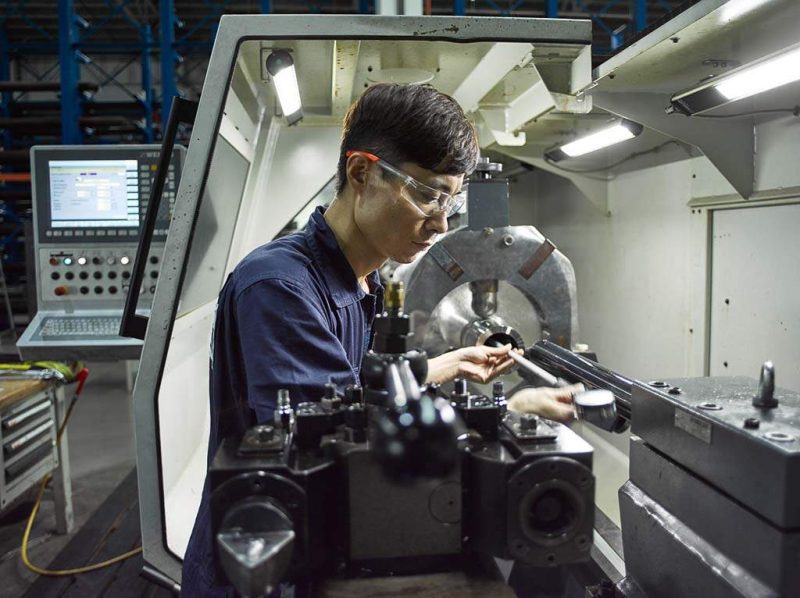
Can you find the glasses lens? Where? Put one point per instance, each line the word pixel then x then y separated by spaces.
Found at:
pixel 456 203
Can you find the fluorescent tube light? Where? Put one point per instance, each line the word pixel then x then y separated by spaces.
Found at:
pixel 281 66
pixel 616 133
pixel 770 72
pixel 761 77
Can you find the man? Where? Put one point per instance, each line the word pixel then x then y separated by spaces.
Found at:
pixel 297 312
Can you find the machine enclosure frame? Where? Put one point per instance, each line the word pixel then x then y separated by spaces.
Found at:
pixel 233 30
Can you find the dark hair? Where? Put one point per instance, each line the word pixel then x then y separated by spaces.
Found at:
pixel 409 123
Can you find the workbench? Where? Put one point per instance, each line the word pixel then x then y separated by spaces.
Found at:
pixel 30 411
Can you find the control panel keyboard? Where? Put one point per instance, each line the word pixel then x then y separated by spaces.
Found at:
pixel 70 328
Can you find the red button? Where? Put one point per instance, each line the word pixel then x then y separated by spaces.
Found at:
pixel 54 261
pixel 61 291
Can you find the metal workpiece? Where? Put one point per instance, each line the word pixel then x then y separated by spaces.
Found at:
pixel 441 306
pixel 708 428
pixel 769 553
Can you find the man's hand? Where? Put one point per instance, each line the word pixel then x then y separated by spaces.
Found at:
pixel 477 364
pixel 550 403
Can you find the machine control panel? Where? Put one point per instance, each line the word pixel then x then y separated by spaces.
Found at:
pixel 89 203
pixel 94 273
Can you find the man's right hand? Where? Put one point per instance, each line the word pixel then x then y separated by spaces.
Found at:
pixel 550 403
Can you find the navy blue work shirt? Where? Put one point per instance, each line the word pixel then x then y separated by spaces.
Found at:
pixel 291 315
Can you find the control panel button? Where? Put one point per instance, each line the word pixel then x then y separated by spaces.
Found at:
pixel 69 275
pixel 98 290
pixel 126 275
pixel 112 275
pixel 98 275
pixel 112 290
pixel 83 275
pixel 111 260
pixel 55 275
pixel 97 261
pixel 82 260
pixel 84 290
pixel 154 274
pixel 61 291
pixel 54 261
pixel 153 259
pixel 124 260
pixel 67 261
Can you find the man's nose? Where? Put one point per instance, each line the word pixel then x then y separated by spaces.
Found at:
pixel 437 223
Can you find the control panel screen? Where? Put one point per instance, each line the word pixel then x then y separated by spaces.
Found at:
pixel 99 194
pixel 94 193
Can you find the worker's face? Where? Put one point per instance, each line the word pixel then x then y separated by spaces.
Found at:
pixel 391 216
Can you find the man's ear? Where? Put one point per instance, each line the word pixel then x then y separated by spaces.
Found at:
pixel 356 169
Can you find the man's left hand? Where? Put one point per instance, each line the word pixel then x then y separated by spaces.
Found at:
pixel 479 364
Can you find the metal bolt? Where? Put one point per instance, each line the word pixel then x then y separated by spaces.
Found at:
pixel 528 422
pixel 508 240
pixel 752 423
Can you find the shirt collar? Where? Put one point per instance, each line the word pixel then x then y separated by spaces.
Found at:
pixel 338 273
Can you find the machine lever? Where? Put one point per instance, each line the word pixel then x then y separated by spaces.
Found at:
pixel 132 324
pixel 765 397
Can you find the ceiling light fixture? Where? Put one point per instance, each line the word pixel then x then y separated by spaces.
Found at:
pixel 770 72
pixel 616 133
pixel 281 67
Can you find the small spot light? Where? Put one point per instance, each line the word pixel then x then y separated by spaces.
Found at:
pixel 281 67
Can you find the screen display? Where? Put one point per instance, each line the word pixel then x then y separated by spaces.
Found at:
pixel 94 193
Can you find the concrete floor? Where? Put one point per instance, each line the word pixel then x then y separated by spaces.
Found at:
pixel 101 450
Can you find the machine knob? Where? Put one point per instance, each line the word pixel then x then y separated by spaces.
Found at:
pixel 459 395
pixel 284 414
pixel 61 291
pixel 765 397
pixel 353 394
pixel 499 396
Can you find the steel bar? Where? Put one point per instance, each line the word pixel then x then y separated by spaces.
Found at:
pixel 576 368
pixel 548 378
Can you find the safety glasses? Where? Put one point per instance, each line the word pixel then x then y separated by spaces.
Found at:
pixel 429 201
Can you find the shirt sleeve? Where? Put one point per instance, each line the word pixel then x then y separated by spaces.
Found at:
pixel 287 342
